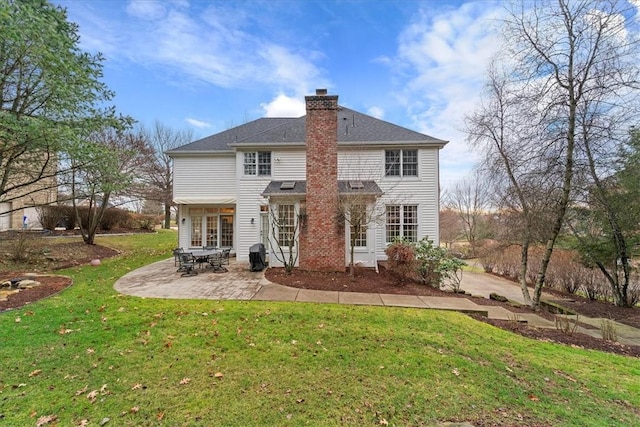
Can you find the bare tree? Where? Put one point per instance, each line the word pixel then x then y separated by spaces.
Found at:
pixel 564 58
pixel 359 208
pixel 450 227
pixel 470 200
pixel 286 221
pixel 156 183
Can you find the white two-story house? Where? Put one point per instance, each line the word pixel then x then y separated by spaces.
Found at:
pixel 274 178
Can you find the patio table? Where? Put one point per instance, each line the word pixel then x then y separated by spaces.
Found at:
pixel 203 255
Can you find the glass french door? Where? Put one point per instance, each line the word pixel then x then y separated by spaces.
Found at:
pixel 210 228
pixel 204 230
pixel 226 231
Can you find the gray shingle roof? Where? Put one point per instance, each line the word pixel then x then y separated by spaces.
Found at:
pixel 353 128
pixel 369 188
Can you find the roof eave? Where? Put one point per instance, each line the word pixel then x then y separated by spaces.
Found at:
pixel 179 153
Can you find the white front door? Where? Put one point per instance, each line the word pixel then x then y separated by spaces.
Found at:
pixel 360 231
pixel 265 230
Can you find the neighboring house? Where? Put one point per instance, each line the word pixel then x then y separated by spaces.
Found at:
pixel 232 188
pixel 18 207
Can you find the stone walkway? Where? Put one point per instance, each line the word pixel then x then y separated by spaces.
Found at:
pixel 160 280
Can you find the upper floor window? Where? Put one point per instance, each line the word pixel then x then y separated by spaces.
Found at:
pixel 401 162
pixel 257 163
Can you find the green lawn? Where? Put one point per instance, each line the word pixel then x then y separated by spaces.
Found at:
pixel 89 354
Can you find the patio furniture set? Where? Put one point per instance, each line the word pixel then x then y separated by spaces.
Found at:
pixel 211 258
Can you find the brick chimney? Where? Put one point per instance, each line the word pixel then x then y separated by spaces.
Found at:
pixel 322 242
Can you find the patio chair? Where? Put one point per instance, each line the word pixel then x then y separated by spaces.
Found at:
pixel 225 256
pixel 215 261
pixel 187 264
pixel 176 256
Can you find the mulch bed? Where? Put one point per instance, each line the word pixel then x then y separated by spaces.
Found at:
pixel 49 285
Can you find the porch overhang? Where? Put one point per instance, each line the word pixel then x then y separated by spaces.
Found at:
pixel 205 200
pixel 345 188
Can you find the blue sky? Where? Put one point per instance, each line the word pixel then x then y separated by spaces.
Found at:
pixel 211 65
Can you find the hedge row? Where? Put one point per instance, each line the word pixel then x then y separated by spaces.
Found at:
pixel 565 271
pixel 54 216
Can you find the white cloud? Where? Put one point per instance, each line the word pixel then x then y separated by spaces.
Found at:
pixel 198 123
pixel 441 65
pixel 377 112
pixel 204 43
pixel 147 9
pixel 284 106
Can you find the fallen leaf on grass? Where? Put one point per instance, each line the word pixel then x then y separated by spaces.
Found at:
pixel 134 410
pixel 455 372
pixel 83 423
pixel 90 351
pixel 185 381
pixel 218 375
pixel 18 320
pixel 160 416
pixel 82 390
pixel 46 419
pixel 36 372
pixel 533 398
pixel 92 396
pixel 137 386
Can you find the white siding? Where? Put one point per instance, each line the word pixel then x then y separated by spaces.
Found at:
pixel 422 191
pixel 204 176
pixel 285 165
pixel 288 165
pixel 364 165
pixel 223 176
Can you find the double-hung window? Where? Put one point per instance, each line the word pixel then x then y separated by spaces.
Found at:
pixel 401 162
pixel 257 163
pixel 402 222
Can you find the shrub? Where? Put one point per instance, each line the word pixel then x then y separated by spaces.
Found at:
pixel 113 218
pixel 49 216
pixel 23 247
pixel 436 266
pixel 567 325
pixel 68 218
pixel 401 258
pixel 144 221
pixel 608 330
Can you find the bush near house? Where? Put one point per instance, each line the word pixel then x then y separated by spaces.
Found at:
pixel 433 265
